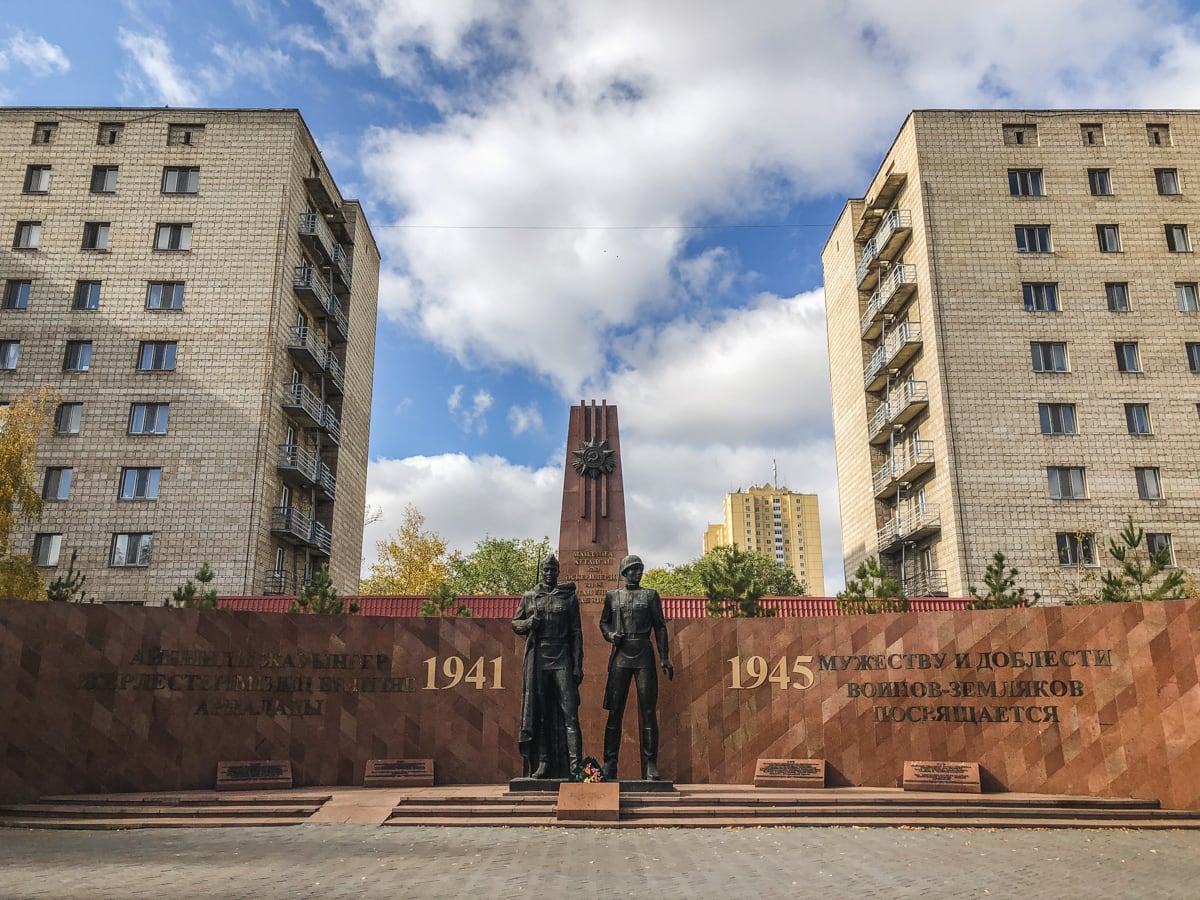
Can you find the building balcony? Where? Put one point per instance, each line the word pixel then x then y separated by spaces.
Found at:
pixel 331 425
pixel 867 274
pixel 321 540
pixel 317 237
pixel 910 461
pixel 908 401
pixel 303 404
pixel 877 430
pixel 307 350
pixel 319 301
pixel 900 346
pixel 335 383
pixel 894 231
pixel 896 288
pixel 290 524
pixel 298 465
pixel 278 583
pixel 930 583
pixel 327 482
pixel 909 525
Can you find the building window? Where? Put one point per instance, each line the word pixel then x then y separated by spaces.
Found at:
pixel 1033 238
pixel 1066 482
pixel 131 549
pixel 1076 548
pixel 165 295
pixel 1057 418
pixel 156 356
pixel 67 418
pixel 16 294
pixel 27 235
pixel 1193 357
pixel 149 418
pixel 10 352
pixel 1109 238
pixel 45 132
pixel 1025 182
pixel 1049 356
pixel 1040 297
pixel 109 133
pixel 1149 487
pixel 1092 133
pixel 57 483
pixel 180 180
pixel 104 179
pixel 173 237
pixel 1020 134
pixel 37 179
pixel 140 483
pixel 87 295
pixel 1167 181
pixel 1158 542
pixel 1117 295
pixel 46 548
pixel 1158 135
pixel 1099 182
pixel 1127 356
pixel 78 357
pixel 95 236
pixel 1137 418
pixel 1177 238
pixel 184 135
pixel 1186 296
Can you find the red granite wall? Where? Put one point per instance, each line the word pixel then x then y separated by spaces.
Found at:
pixel 1100 700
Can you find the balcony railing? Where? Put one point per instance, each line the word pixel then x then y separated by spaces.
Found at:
pixel 909 524
pixel 334 369
pixel 277 582
pixel 878 422
pixel 303 403
pixel 314 230
pixel 329 421
pixel 930 583
pixel 910 461
pixel 300 463
pixel 327 481
pixel 306 347
pixel 899 347
pixel 895 287
pixel 309 285
pixel 870 251
pixel 907 400
pixel 892 233
pixel 290 523
pixel 320 538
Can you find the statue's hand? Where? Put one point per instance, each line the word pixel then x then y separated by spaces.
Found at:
pixel 535 621
pixel 669 669
pixel 578 678
pixel 617 638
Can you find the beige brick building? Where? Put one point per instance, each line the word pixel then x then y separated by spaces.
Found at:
pixel 778 522
pixel 193 284
pixel 1014 344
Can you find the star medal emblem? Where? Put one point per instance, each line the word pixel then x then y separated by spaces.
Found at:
pixel 594 458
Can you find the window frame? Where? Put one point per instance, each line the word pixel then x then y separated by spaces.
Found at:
pixel 1038 353
pixel 1026 183
pixel 1037 232
pixel 52 540
pixel 1052 421
pixel 70 414
pixel 1178 238
pixel 1160 182
pixel 1116 296
pixel 1137 419
pixel 37 179
pixel 181 238
pixel 1104 233
pixel 172 175
pixel 1187 296
pixel 139 483
pixel 154 297
pixel 1129 357
pixel 17 292
pixel 56 483
pixel 1076 548
pixel 89 291
pixel 141 409
pixel 1100 182
pixel 133 546
pixel 1149 482
pixel 1192 349
pixel 101 177
pixel 31 232
pixel 77 357
pixel 1040 296
pixel 10 348
pixel 1066 482
pixel 96 236
pixel 1164 540
pixel 160 353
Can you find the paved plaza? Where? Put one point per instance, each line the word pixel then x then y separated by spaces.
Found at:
pixel 331 861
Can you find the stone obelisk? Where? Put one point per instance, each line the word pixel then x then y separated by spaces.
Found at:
pixel 592 538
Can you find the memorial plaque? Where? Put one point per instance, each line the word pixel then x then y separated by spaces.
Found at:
pixel 254 775
pixel 589 802
pixel 790 773
pixel 398 773
pixel 957 777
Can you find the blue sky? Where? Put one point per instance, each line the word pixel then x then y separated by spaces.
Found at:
pixel 619 200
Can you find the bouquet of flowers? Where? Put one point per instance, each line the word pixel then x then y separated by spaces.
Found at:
pixel 588 772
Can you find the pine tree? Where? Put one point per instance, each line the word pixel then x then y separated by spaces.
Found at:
pixel 1140 566
pixel 320 597
pixel 186 594
pixel 1002 590
pixel 872 590
pixel 68 588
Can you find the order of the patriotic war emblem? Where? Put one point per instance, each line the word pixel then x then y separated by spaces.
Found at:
pixel 594 458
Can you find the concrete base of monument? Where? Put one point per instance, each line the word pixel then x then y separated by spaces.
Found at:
pixel 525 784
pixel 656 787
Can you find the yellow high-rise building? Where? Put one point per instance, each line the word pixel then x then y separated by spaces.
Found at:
pixel 779 523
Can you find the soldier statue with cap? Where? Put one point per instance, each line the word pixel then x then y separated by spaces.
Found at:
pixel 630 614
pixel 548 616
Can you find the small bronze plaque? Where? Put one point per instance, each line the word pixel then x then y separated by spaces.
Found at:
pixel 793 773
pixel 957 777
pixel 254 775
pixel 398 773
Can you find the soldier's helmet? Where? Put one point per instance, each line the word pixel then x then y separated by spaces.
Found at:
pixel 630 561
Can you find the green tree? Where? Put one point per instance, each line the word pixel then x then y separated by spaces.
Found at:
pixel 1140 566
pixel 734 583
pixel 320 597
pixel 186 594
pixel 687 580
pixel 872 590
pixel 68 588
pixel 444 603
pixel 1002 589
pixel 675 581
pixel 412 563
pixel 20 579
pixel 497 566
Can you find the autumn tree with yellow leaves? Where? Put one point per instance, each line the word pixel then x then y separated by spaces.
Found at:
pixel 21 425
pixel 411 563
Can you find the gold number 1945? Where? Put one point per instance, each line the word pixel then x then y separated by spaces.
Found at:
pixel 780 674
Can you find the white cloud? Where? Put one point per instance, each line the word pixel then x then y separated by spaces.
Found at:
pixel 35 53
pixel 161 80
pixel 524 418
pixel 473 417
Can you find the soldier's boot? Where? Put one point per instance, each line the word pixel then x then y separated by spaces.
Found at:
pixel 650 754
pixel 542 770
pixel 612 749
pixel 574 750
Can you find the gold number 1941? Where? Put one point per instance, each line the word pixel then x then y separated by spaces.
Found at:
pixel 454 670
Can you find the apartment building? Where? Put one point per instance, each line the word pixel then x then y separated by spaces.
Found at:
pixel 777 522
pixel 1014 345
pixel 196 289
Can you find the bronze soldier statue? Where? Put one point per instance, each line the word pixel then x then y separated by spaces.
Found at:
pixel 549 617
pixel 630 614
